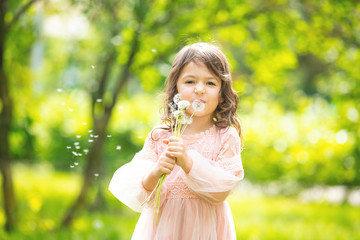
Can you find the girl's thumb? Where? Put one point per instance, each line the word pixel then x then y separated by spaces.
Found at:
pixel 166 141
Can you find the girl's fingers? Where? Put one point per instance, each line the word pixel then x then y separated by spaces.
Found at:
pixel 166 141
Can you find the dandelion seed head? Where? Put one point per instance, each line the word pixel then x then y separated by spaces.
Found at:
pixel 198 106
pixel 84 123
pixel 99 100
pixel 109 136
pixel 183 104
pixel 75 153
pixel 76 143
pixel 177 98
pixel 118 147
pixel 90 131
pixel 178 113
pixel 91 140
pixel 172 107
pixel 68 147
pixel 72 166
pixel 70 109
pixel 78 136
pixel 77 147
pixel 76 163
pixel 86 151
pixel 96 174
pixel 59 90
pixel 92 66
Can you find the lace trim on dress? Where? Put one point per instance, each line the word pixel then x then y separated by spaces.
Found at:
pixel 200 134
pixel 179 190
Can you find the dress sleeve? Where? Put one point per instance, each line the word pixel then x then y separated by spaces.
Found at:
pixel 214 180
pixel 126 183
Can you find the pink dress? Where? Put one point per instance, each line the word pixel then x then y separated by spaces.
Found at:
pixel 193 205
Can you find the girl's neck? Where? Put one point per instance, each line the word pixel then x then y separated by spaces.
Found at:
pixel 198 125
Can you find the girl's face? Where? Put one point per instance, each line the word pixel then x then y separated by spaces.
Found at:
pixel 197 82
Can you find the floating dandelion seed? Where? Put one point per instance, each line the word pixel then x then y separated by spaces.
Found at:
pixel 153 50
pixel 109 136
pixel 96 136
pixel 140 137
pixel 70 109
pixel 118 147
pixel 99 100
pixel 92 66
pixel 91 140
pixel 121 107
pixel 90 131
pixel 84 123
pixel 75 153
pixel 77 147
pixel 76 143
pixel 63 103
pixel 59 90
pixel 72 166
pixel 79 154
pixel 68 147
pixel 91 135
pixel 76 163
pixel 96 174
pixel 86 151
pixel 78 136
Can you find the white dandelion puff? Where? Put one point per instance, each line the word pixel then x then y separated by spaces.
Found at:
pixel 91 140
pixel 68 147
pixel 76 163
pixel 75 153
pixel 72 166
pixel 118 147
pixel 178 113
pixel 177 98
pixel 96 174
pixel 59 90
pixel 172 107
pixel 198 106
pixel 99 100
pixel 183 104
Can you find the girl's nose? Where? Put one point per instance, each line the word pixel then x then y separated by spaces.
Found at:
pixel 199 89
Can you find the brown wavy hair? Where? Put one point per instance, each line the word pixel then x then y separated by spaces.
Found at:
pixel 215 60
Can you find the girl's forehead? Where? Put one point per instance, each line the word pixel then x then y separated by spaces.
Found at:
pixel 197 69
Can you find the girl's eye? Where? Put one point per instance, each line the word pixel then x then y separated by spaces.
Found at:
pixel 189 81
pixel 211 83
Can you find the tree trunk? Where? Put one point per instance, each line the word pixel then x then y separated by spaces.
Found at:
pixel 5 126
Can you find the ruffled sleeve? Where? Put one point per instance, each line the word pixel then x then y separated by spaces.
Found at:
pixel 126 183
pixel 213 180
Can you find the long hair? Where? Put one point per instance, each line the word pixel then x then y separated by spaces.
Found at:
pixel 215 60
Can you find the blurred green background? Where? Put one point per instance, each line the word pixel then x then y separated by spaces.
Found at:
pixel 295 66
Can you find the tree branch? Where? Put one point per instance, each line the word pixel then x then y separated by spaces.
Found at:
pixel 22 10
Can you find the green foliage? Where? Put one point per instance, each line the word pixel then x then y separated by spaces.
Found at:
pixel 294 65
pixel 45 193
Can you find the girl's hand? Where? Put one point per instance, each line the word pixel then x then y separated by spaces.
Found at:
pixel 165 165
pixel 176 148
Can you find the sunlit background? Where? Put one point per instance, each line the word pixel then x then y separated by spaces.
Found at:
pixel 85 79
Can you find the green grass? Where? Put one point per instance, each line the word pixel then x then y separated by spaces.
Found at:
pixel 43 195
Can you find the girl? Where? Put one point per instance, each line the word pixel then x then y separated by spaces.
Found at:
pixel 203 165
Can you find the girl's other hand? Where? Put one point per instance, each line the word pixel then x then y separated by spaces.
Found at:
pixel 176 148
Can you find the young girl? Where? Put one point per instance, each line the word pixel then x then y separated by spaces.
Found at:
pixel 203 165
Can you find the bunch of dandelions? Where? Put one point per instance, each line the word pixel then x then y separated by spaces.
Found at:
pixel 179 122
